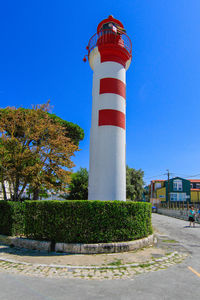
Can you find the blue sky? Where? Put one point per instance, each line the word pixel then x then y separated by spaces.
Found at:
pixel 42 44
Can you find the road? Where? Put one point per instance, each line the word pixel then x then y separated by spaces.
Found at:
pixel 181 281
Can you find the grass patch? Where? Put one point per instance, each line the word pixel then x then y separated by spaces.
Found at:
pixel 170 241
pixel 144 265
pixel 117 262
pixel 168 253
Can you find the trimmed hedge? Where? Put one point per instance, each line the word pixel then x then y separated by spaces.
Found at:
pixel 12 218
pixel 77 221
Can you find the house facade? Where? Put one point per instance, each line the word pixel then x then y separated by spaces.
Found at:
pixel 195 190
pixel 176 190
pixel 154 186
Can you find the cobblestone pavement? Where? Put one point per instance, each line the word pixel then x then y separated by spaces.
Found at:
pixel 116 269
pixel 108 272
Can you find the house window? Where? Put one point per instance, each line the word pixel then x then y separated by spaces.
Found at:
pixel 182 197
pixel 157 185
pixel 173 196
pixel 177 185
pixel 198 185
pixel 177 196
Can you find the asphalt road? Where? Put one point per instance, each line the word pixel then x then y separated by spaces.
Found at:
pixel 181 281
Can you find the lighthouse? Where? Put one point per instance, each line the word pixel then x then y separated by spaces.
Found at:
pixel 109 55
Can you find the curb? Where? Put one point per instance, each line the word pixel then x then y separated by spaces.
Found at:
pixel 78 248
pixel 69 267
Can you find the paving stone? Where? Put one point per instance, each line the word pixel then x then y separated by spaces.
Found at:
pixel 92 273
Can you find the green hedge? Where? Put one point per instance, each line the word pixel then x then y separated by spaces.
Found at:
pixel 78 221
pixel 12 218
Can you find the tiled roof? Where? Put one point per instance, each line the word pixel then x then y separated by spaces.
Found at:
pixel 158 180
pixel 194 180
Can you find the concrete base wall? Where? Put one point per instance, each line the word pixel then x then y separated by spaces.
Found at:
pixel 25 243
pixel 78 248
pixel 105 247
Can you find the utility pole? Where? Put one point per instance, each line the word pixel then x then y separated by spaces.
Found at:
pixel 168 188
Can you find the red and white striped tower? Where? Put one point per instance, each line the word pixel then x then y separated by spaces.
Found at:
pixel 109 54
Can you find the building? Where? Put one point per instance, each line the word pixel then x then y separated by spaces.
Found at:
pixel 195 190
pixel 155 184
pixel 175 190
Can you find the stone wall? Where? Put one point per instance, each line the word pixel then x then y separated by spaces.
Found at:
pixel 175 213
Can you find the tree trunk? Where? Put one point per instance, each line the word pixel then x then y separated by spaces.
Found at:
pixel 22 190
pixel 16 190
pixel 36 194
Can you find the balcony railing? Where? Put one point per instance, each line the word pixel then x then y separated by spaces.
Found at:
pixel 108 36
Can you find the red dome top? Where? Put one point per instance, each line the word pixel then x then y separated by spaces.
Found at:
pixel 109 19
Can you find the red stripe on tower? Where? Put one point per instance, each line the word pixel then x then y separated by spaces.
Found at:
pixel 111 117
pixel 112 85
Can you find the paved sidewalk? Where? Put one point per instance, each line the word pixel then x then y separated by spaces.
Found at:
pixel 99 266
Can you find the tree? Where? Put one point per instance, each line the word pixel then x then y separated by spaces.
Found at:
pixel 134 183
pixel 78 187
pixel 35 150
pixel 71 130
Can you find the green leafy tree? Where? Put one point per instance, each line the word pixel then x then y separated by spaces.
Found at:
pixel 78 187
pixel 35 151
pixel 134 184
pixel 71 130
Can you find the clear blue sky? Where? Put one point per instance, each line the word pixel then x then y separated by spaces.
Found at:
pixel 42 44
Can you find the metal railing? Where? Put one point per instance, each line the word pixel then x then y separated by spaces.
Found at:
pixel 108 36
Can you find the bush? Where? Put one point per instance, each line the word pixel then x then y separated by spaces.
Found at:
pixel 83 221
pixel 12 218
